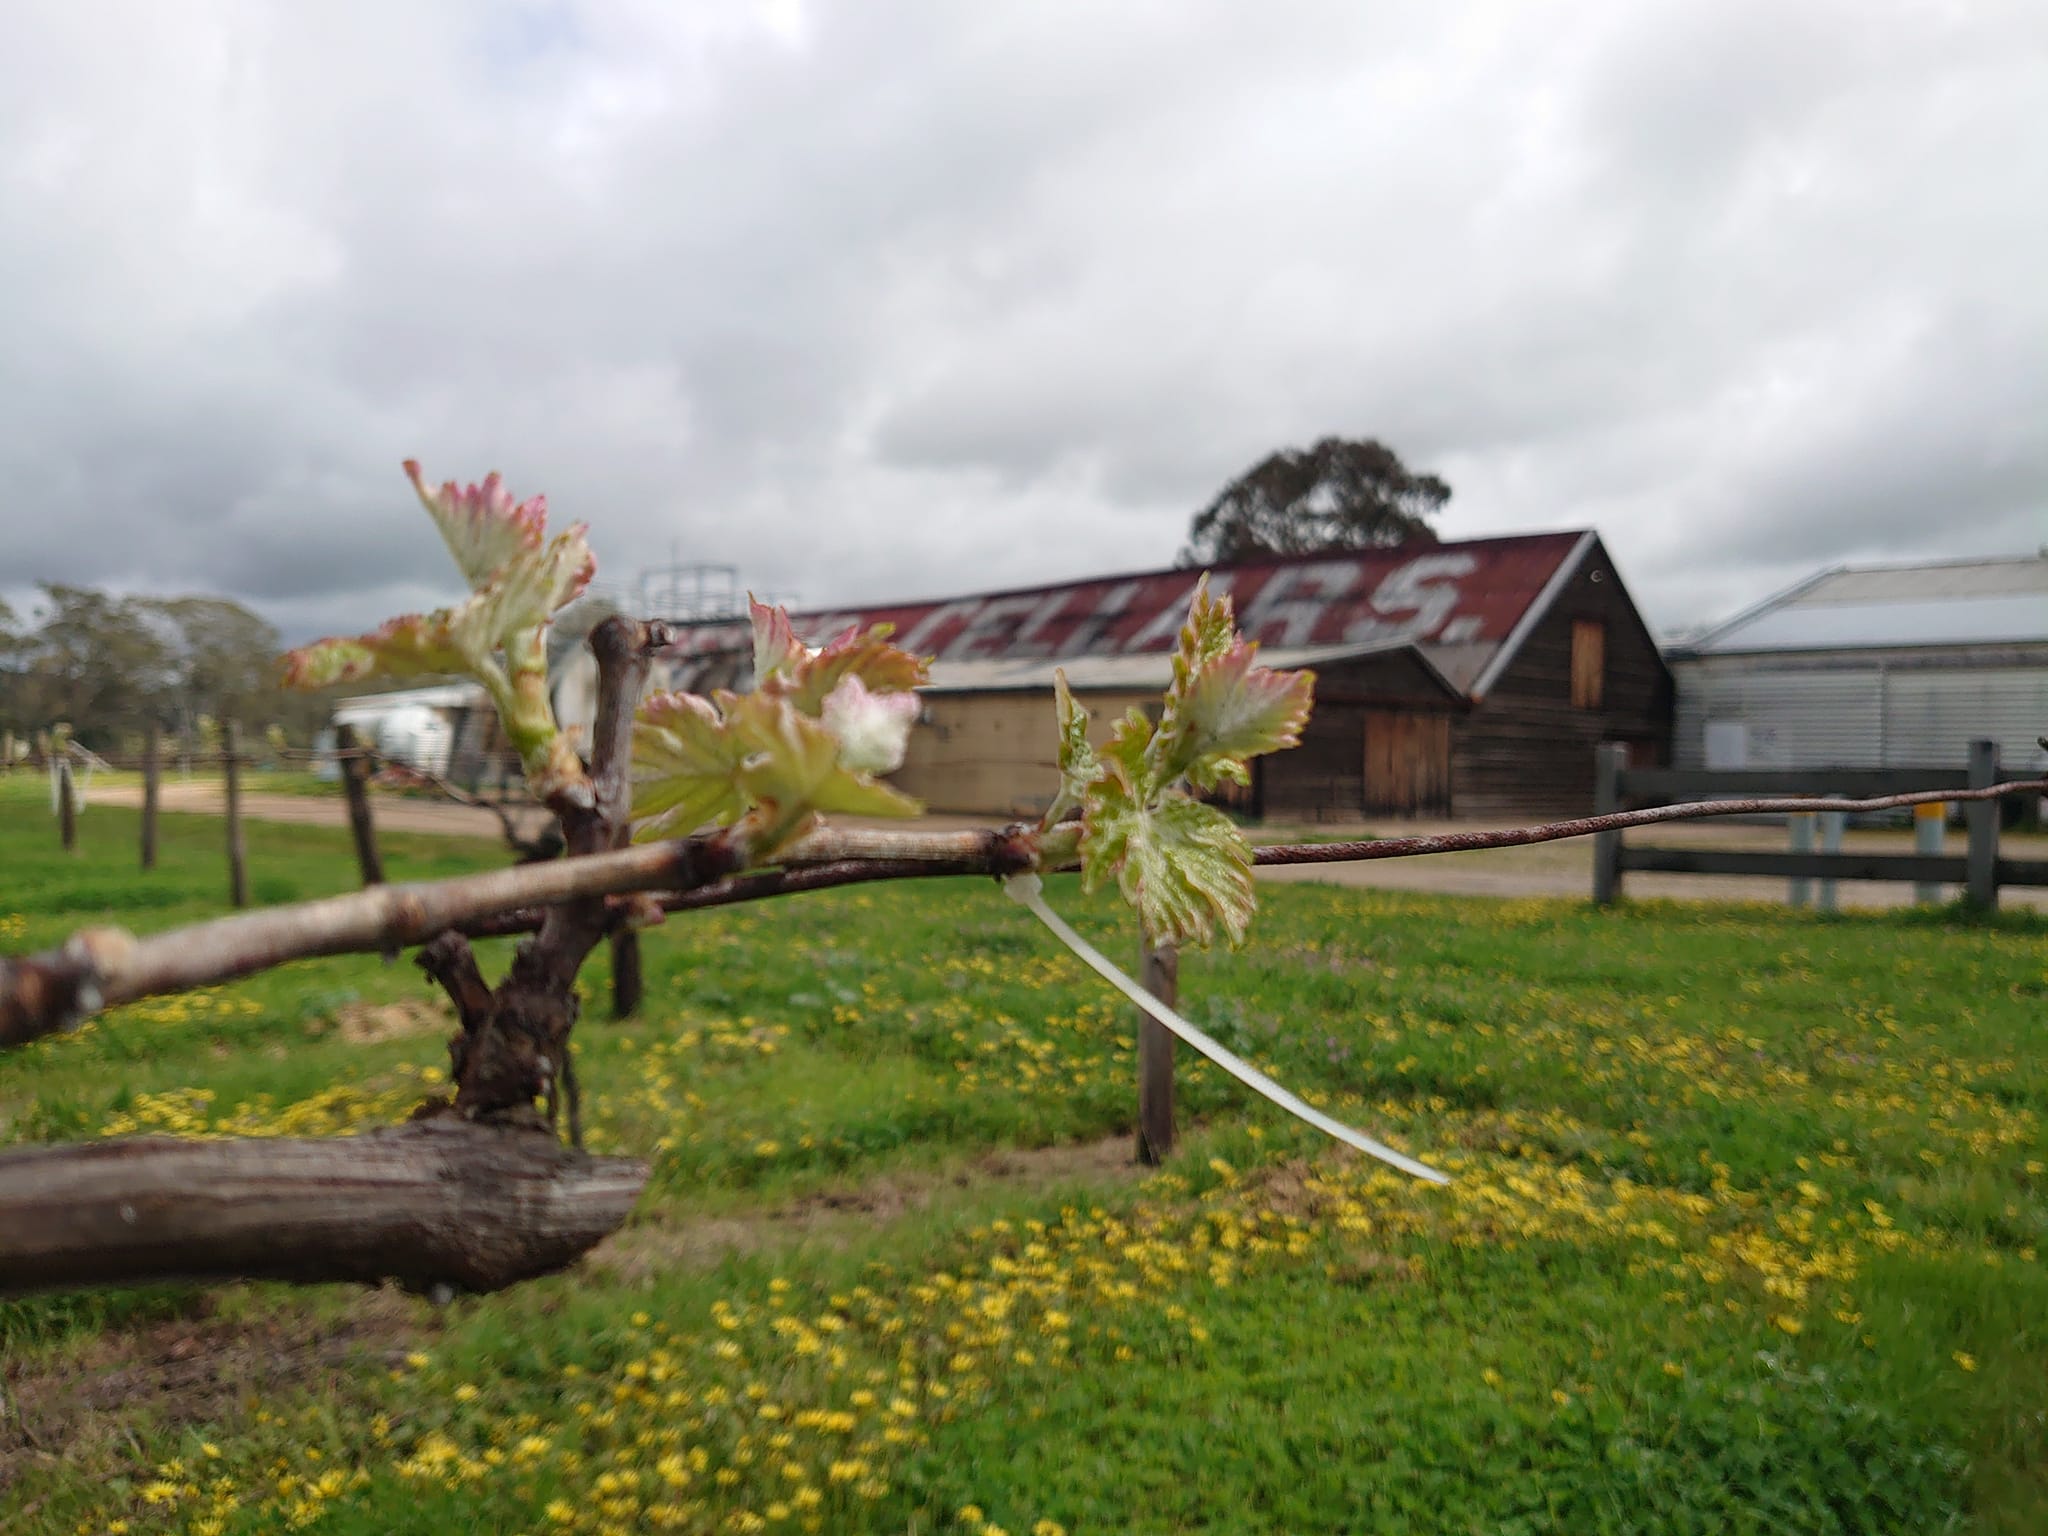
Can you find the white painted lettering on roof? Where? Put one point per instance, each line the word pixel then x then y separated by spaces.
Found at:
pixel 1292 601
pixel 989 631
pixel 1415 590
pixel 1088 633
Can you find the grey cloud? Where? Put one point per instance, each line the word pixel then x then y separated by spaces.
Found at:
pixel 899 299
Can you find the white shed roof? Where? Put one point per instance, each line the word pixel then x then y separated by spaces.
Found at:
pixel 1956 602
pixel 369 706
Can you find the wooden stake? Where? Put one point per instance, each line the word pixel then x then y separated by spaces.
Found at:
pixel 355 777
pixel 67 806
pixel 1159 974
pixel 1610 761
pixel 230 762
pixel 152 748
pixel 626 983
pixel 1980 817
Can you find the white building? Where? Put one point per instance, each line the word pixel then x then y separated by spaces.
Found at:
pixel 418 726
pixel 1873 667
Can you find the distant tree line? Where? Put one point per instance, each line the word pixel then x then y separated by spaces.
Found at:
pixel 109 665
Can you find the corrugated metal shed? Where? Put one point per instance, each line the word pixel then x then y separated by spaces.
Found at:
pixel 1892 666
pixel 1963 602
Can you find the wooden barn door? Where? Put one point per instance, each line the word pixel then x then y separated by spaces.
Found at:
pixel 1407 763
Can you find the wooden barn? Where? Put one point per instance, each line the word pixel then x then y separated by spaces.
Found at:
pixel 1467 679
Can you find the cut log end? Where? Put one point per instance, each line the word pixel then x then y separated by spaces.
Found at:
pixel 437 1204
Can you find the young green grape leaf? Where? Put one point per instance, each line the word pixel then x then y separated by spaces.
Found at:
pixel 1221 709
pixel 1078 766
pixel 686 767
pixel 793 770
pixel 1180 863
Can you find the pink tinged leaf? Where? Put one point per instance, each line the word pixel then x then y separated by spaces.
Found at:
pixel 873 728
pixel 1220 709
pixel 776 647
pixel 485 529
pixel 408 646
pixel 528 591
pixel 1232 711
pixel 864 654
pixel 807 676
pixel 325 663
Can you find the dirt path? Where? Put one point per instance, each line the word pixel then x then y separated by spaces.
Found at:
pixel 1563 869
pixel 394 813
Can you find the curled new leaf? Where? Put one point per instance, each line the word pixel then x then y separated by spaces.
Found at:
pixel 777 651
pixel 482 525
pixel 1078 767
pixel 873 728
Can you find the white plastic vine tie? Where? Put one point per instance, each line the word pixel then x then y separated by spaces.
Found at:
pixel 1028 892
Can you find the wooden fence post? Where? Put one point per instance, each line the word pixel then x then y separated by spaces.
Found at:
pixel 1981 817
pixel 1159 974
pixel 626 983
pixel 1609 759
pixel 1799 830
pixel 1929 826
pixel 67 806
pixel 152 748
pixel 355 775
pixel 1831 824
pixel 231 771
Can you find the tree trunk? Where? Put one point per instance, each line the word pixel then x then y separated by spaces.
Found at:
pixel 437 1202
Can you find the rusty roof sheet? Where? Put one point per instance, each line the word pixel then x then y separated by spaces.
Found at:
pixel 1459 602
pixel 1150 670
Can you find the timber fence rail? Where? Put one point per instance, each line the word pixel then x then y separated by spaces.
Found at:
pixel 1979 871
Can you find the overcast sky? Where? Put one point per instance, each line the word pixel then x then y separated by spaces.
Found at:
pixel 886 300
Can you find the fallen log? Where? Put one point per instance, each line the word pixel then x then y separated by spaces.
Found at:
pixel 437 1203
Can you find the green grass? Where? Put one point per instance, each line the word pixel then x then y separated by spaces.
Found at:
pixel 1745 1234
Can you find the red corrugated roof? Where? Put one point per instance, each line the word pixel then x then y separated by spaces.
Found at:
pixel 1459 601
